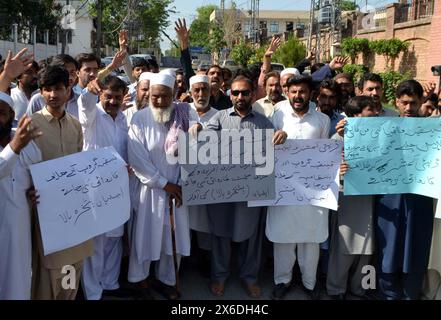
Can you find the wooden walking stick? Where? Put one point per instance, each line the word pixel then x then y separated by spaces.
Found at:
pixel 171 203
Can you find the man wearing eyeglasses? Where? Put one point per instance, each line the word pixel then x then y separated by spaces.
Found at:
pixel 235 221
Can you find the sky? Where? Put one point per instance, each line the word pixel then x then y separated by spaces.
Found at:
pixel 187 9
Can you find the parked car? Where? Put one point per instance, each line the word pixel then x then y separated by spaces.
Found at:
pixel 230 64
pixel 106 61
pixel 204 65
pixel 277 67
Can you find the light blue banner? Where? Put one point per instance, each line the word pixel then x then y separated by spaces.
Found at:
pixel 393 155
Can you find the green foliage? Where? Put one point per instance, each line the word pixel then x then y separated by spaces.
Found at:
pixel 290 52
pixel 241 54
pixel 356 70
pixel 44 14
pixel 200 27
pixel 216 39
pixel 258 54
pixel 348 6
pixel 352 47
pixel 390 49
pixel 150 18
pixel 391 79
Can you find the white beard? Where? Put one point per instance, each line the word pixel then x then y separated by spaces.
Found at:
pixel 161 115
pixel 199 106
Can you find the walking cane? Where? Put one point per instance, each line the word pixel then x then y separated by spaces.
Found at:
pixel 171 203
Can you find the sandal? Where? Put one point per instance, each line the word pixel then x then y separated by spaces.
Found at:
pixel 217 288
pixel 252 290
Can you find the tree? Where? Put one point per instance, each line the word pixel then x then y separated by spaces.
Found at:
pixel 348 6
pixel 241 54
pixel 147 20
pixel 231 25
pixel 44 14
pixel 200 27
pixel 290 52
pixel 216 40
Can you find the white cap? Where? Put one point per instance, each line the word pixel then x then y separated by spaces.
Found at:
pixel 6 98
pixel 162 79
pixel 145 76
pixel 170 72
pixel 292 71
pixel 199 79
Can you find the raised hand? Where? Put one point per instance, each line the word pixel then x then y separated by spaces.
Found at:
pixel 338 62
pixel 182 32
pixel 429 88
pixel 274 45
pixel 24 134
pixel 311 55
pixel 127 102
pixel 118 60
pixel 123 39
pixel 15 66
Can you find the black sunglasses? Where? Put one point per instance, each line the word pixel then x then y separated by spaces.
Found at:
pixel 245 93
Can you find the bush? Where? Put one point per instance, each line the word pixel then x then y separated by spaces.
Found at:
pixel 391 79
pixel 356 70
pixel 241 53
pixel 352 47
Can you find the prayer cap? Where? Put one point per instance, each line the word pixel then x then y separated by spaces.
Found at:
pixel 293 71
pixel 199 79
pixel 162 79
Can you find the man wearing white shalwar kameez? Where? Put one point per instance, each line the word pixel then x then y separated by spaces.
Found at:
pixel 152 138
pixel 200 92
pixel 15 216
pixel 103 125
pixel 300 228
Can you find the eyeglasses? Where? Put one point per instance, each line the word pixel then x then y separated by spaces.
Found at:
pixel 245 93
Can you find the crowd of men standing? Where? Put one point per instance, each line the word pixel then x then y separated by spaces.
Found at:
pixel 68 105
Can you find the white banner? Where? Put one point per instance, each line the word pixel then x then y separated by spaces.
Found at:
pixel 81 196
pixel 307 173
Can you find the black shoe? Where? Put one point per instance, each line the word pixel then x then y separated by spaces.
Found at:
pixel 280 291
pixel 340 296
pixel 313 294
pixel 168 292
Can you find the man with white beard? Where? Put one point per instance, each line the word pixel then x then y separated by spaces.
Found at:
pixel 142 96
pixel 200 92
pixel 152 141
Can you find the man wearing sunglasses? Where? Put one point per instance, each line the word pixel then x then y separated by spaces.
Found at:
pixel 235 221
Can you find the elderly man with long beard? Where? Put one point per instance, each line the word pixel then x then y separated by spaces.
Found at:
pixel 142 96
pixel 152 140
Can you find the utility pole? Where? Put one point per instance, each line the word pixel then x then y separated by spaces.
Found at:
pixel 311 24
pixel 99 34
pixel 255 24
pixel 222 7
pixel 64 35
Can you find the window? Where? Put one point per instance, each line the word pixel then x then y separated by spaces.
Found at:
pixel 289 26
pixel 274 27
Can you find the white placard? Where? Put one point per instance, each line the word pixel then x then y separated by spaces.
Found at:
pixel 81 196
pixel 307 173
